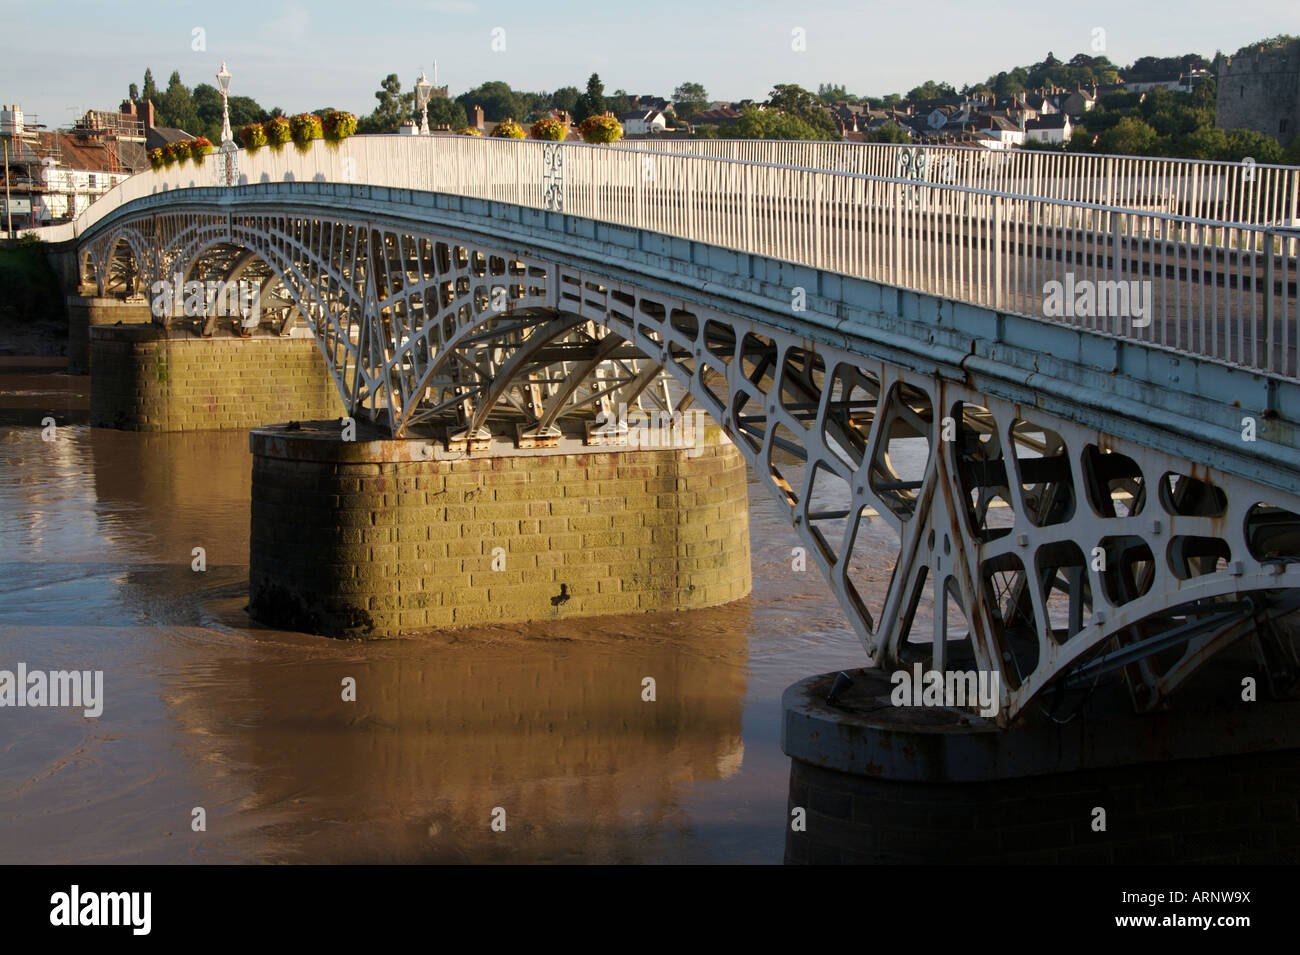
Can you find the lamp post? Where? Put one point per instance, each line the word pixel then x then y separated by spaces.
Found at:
pixel 223 78
pixel 227 158
pixel 423 89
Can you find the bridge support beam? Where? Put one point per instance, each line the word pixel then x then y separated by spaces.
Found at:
pixel 373 538
pixel 86 312
pixel 1215 779
pixel 142 379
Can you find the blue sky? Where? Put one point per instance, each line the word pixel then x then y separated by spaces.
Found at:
pixel 62 57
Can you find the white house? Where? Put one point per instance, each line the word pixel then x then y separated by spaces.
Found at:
pixel 1006 132
pixel 990 140
pixel 644 122
pixel 1055 129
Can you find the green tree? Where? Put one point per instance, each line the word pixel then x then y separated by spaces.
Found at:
pixel 890 132
pixel 498 100
pixel 447 112
pixel 1131 136
pixel 565 98
pixel 133 93
pixel 830 93
pixel 689 99
pixel 207 106
pixel 394 106
pixel 619 103
pixel 798 102
pixel 177 106
pixel 1203 143
pixel 1243 143
pixel 757 123
pixel 931 90
pixel 244 110
pixel 592 102
pixel 149 91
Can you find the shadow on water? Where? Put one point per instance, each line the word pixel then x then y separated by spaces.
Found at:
pixel 546 721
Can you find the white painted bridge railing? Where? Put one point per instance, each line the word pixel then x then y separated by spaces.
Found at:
pixel 1247 192
pixel 1218 289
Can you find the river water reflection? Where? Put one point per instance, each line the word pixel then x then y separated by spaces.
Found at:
pixel 204 708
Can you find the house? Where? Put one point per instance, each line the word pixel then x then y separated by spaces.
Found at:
pixel 989 139
pixel 1174 82
pixel 646 103
pixel 1040 104
pixel 141 112
pixel 1001 128
pixel 1145 84
pixel 644 122
pixel 56 175
pixel 1056 129
pixel 723 116
pixel 1078 102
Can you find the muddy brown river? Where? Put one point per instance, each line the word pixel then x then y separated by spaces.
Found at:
pixel 204 709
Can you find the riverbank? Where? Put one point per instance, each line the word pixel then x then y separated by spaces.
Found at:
pixel 33 319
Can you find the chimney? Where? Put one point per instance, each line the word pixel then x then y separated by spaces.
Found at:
pixel 148 114
pixel 478 116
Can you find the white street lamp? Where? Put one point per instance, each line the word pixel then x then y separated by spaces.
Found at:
pixel 228 154
pixel 223 78
pixel 423 90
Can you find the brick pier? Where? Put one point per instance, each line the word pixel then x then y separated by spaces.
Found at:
pixel 145 379
pixel 374 538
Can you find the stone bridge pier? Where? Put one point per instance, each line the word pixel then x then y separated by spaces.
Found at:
pixel 376 537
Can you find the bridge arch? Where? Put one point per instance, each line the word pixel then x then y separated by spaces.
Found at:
pixel 999 519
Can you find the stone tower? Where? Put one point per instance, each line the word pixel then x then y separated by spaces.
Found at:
pixel 1260 90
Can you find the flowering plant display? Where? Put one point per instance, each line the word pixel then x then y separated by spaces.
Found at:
pixel 338 126
pixel 508 129
pixel 277 132
pixel 253 136
pixel 603 129
pixel 548 127
pixel 199 148
pixel 304 128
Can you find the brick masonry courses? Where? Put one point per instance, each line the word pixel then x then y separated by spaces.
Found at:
pixel 85 312
pixel 372 539
pixel 142 380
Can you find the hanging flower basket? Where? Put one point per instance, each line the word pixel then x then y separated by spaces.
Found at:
pixel 338 126
pixel 601 130
pixel 549 128
pixel 469 131
pixel 508 129
pixel 277 132
pixel 253 136
pixel 156 159
pixel 180 150
pixel 199 148
pixel 304 128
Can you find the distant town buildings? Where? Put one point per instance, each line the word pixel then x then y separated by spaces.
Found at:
pixel 54 175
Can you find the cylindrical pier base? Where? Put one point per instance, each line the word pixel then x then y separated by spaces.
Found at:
pixel 872 783
pixel 373 538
